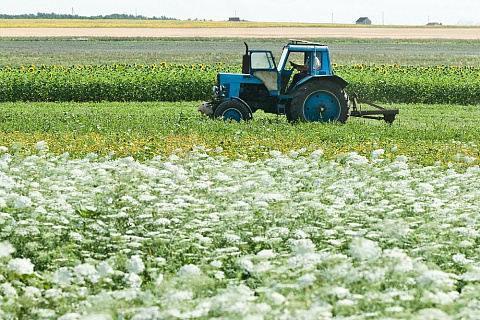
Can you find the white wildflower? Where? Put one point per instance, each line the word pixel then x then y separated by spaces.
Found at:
pixel 127 160
pixel 54 294
pixel 41 145
pixel 354 158
pixel 265 254
pixel 135 264
pixel 316 154
pixel 246 264
pixel 133 279
pixel 302 246
pixel 162 222
pixel 394 309
pixel 179 295
pixel 70 316
pixel 232 238
pixel 276 298
pixel 426 188
pixel 62 277
pixel 148 314
pixel 440 298
pixel 437 279
pixel 216 264
pixel 76 236
pixel 6 249
pixel 104 269
pixel 340 292
pixel 300 234
pixel 400 262
pixel 306 280
pixel 159 280
pixel 465 244
pixel 346 302
pixel 473 274
pixel 86 271
pixel 377 153
pixel 44 313
pixel 32 292
pixel 189 270
pixel 22 202
pixel 278 232
pixel 461 259
pixel 275 154
pixel 293 153
pixel 20 266
pixel 219 274
pixel 97 316
pixel 431 314
pixel 364 249
pixel 8 290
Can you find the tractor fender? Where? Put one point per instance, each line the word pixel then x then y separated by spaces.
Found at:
pixel 339 81
pixel 245 104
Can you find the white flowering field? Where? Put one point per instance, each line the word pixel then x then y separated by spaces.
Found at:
pixel 293 236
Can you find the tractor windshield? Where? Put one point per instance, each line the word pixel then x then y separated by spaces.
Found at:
pixel 262 60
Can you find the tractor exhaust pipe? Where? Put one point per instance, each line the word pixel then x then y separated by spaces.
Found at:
pixel 246 61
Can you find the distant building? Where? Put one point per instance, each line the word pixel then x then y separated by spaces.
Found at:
pixel 363 20
pixel 234 19
pixel 434 24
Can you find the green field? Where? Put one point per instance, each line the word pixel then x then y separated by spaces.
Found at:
pixel 148 210
pixel 16 52
pixel 143 130
pixel 427 133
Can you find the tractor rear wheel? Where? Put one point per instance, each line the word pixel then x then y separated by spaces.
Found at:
pixel 232 110
pixel 321 101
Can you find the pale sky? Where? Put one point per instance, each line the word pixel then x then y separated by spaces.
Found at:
pixel 388 12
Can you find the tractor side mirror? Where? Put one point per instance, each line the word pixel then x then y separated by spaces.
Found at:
pixel 246 61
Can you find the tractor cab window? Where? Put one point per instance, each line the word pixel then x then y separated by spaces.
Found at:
pixel 262 60
pixel 296 58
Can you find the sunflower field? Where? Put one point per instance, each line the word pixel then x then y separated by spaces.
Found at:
pixel 180 82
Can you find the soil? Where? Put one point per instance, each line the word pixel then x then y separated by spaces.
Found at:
pixel 286 33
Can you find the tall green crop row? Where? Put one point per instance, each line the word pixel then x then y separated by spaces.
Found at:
pixel 110 83
pixel 397 84
pixel 167 82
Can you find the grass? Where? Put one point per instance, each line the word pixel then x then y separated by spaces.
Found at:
pixel 143 130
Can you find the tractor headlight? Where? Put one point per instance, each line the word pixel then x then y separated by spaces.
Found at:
pixel 219 91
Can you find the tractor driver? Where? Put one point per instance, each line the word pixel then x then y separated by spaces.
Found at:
pixel 304 69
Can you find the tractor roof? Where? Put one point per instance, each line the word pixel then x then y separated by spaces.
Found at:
pixel 303 42
pixel 302 46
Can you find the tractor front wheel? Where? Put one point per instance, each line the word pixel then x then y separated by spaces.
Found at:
pixel 321 101
pixel 232 110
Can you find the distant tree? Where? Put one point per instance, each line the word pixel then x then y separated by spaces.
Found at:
pixel 120 16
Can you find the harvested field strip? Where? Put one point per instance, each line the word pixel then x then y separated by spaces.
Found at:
pixel 241 32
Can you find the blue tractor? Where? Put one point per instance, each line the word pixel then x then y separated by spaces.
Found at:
pixel 306 90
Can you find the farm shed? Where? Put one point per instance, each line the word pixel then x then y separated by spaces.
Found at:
pixel 363 20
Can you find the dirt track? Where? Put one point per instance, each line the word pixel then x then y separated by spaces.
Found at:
pixel 392 33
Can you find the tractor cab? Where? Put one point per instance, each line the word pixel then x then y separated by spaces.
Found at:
pixel 314 59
